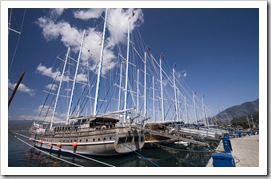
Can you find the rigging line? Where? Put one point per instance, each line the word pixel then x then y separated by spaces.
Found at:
pixel 73 153
pixel 48 153
pixel 155 164
pixel 110 99
pixel 48 112
pixel 45 100
pixel 79 100
pixel 17 42
pixel 107 94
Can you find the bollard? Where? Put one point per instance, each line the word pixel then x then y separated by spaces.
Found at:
pixel 223 160
pixel 226 144
pixel 240 133
pixel 227 135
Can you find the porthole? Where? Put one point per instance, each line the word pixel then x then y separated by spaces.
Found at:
pixel 86 140
pixel 99 139
pixel 104 138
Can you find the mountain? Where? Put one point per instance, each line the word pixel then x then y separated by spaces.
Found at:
pixel 246 108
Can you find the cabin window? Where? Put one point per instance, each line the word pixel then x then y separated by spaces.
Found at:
pixel 104 138
pixel 93 140
pixel 110 138
pixel 99 139
pixel 86 140
pixel 80 140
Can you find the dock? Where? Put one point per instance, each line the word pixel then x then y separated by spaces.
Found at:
pixel 245 151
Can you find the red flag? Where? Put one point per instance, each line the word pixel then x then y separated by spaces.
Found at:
pixel 149 49
pixel 133 14
pixel 162 56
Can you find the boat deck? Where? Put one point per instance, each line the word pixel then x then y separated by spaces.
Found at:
pixel 245 151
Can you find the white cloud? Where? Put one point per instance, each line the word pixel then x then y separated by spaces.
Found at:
pixel 51 86
pixel 57 11
pixel 81 78
pixel 71 36
pixel 88 14
pixel 28 117
pixel 47 71
pixel 22 88
pixel 118 20
pixel 50 73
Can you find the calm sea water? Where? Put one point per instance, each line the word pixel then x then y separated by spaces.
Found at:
pixel 22 155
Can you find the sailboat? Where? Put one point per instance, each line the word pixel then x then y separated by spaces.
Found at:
pixel 107 134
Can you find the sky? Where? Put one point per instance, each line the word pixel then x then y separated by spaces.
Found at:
pixel 216 49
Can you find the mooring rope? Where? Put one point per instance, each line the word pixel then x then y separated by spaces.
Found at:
pixel 88 158
pixel 48 153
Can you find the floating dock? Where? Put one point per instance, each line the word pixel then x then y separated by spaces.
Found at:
pixel 245 151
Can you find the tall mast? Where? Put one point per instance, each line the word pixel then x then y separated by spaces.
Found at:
pixel 195 110
pixel 137 91
pixel 126 74
pixel 185 108
pixel 161 90
pixel 120 85
pixel 153 99
pixel 100 68
pixel 145 86
pixel 75 77
pixel 204 112
pixel 175 95
pixel 59 87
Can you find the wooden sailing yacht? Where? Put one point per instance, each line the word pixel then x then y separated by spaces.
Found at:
pixel 111 133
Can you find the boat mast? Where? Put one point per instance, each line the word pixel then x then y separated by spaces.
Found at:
pixel 161 90
pixel 120 85
pixel 75 77
pixel 145 86
pixel 153 99
pixel 59 87
pixel 204 112
pixel 100 67
pixel 185 108
pixel 126 74
pixel 195 110
pixel 137 92
pixel 175 95
pixel 16 87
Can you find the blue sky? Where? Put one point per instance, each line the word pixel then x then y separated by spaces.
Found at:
pixel 217 48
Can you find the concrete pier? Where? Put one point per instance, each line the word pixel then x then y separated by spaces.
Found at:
pixel 245 151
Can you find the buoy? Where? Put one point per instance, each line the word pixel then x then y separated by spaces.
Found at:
pixel 50 144
pixel 74 144
pixel 40 141
pixel 30 139
pixel 58 144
